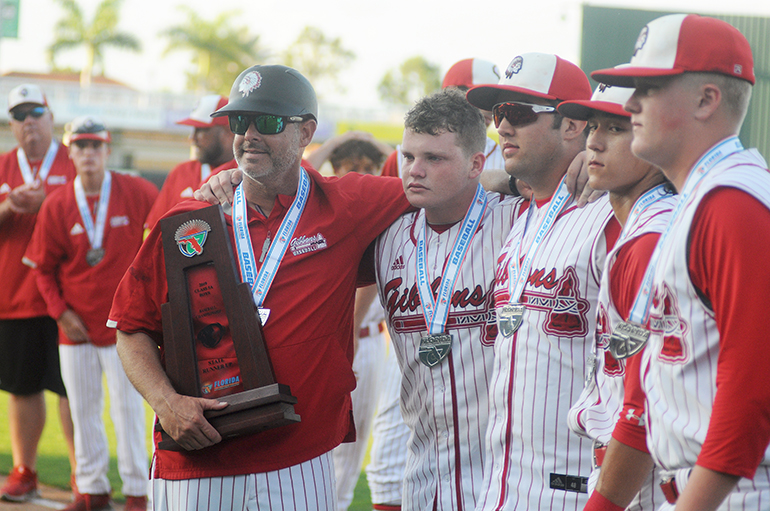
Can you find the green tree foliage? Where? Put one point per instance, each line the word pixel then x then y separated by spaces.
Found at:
pixel 73 31
pixel 319 58
pixel 413 79
pixel 220 50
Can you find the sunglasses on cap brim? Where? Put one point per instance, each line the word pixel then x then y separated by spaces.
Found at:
pixel 519 114
pixel 36 113
pixel 266 124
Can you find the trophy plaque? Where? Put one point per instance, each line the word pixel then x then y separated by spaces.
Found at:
pixel 212 334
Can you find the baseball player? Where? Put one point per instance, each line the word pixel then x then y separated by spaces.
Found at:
pixel 435 274
pixel 86 237
pixel 314 231
pixel 212 142
pixel 29 357
pixel 642 201
pixel 463 75
pixel 546 291
pixel 705 365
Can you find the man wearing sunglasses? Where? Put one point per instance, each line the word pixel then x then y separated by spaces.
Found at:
pixel 307 235
pixel 546 292
pixel 86 236
pixel 29 357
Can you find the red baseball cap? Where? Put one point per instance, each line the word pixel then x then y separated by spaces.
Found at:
pixel 682 43
pixel 470 72
pixel 541 75
pixel 201 116
pixel 608 99
pixel 86 127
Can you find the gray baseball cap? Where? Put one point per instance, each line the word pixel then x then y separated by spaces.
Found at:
pixel 276 90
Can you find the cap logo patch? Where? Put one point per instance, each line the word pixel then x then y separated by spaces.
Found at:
pixel 641 40
pixel 191 236
pixel 250 83
pixel 23 93
pixel 738 69
pixel 514 67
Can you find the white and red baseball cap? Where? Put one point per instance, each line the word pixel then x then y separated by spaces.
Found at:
pixel 682 43
pixel 26 93
pixel 541 75
pixel 471 72
pixel 201 116
pixel 608 99
pixel 86 127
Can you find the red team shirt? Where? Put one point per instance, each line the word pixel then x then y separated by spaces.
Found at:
pixel 60 243
pixel 310 329
pixel 179 185
pixel 20 297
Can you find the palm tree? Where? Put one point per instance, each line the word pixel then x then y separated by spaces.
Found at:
pixel 72 31
pixel 220 50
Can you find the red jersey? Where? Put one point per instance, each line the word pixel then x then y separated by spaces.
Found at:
pixel 179 185
pixel 59 245
pixel 310 329
pixel 20 298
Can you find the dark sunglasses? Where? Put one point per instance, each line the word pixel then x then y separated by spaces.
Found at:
pixel 36 113
pixel 519 114
pixel 266 124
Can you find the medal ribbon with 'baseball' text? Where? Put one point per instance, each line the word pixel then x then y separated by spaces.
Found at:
pixel 261 281
pixel 436 311
pixel 510 315
pixel 629 337
pixel 45 167
pixel 626 338
pixel 640 312
pixel 95 231
pixel 644 201
pixel 518 271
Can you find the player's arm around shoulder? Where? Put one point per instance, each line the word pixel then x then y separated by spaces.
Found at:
pixel 180 416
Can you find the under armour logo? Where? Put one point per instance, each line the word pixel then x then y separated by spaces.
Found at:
pixel 631 417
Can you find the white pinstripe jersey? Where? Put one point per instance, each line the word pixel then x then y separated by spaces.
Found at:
pixel 602 397
pixel 445 406
pixel 679 367
pixel 538 371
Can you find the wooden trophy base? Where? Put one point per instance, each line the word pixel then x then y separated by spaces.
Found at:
pixel 248 412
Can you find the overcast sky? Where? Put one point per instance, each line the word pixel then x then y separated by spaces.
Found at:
pixel 381 34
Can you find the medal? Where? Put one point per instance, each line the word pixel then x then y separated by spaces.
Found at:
pixel 434 348
pixel 94 230
pixel 509 318
pixel 94 256
pixel 436 344
pixel 628 333
pixel 627 339
pixel 263 315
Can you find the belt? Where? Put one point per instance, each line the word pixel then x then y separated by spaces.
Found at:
pixel 670 490
pixel 668 483
pixel 599 452
pixel 366 331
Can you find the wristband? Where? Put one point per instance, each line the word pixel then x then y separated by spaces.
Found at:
pixel 598 502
